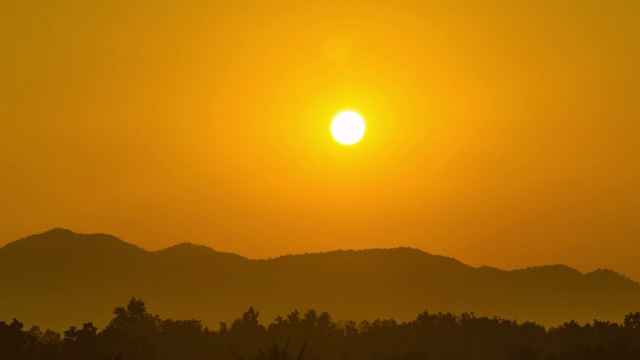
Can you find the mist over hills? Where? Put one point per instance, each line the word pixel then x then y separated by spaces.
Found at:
pixel 60 278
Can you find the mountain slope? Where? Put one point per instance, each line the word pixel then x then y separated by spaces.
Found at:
pixel 61 278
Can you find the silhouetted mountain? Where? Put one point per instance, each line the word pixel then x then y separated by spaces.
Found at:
pixel 60 278
pixel 191 251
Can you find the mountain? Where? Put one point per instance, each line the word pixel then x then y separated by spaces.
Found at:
pixel 60 278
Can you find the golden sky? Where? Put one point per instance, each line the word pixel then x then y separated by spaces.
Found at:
pixel 504 133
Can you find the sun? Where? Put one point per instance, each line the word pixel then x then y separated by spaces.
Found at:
pixel 347 128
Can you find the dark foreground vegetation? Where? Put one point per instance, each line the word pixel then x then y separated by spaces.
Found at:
pixel 133 333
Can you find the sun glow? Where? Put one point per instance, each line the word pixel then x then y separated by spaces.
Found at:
pixel 347 128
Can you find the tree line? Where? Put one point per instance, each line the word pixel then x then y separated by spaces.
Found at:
pixel 135 334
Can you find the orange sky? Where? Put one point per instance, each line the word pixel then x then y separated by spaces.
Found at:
pixel 504 133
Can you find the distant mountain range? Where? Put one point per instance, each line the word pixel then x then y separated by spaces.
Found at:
pixel 60 278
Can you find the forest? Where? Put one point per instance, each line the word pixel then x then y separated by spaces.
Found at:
pixel 135 334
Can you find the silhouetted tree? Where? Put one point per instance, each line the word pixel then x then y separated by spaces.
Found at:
pixel 134 333
pixel 132 329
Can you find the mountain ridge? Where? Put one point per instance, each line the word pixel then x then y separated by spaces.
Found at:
pixel 83 276
pixel 189 248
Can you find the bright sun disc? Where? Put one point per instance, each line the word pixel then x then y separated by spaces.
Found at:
pixel 347 128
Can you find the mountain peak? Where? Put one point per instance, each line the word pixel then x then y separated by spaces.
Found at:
pixel 58 231
pixel 187 248
pixel 56 239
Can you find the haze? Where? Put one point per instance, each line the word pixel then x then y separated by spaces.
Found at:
pixel 498 132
